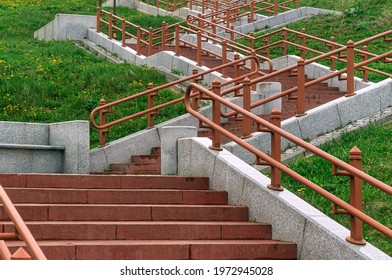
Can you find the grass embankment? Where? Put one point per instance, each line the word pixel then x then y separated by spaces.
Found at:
pixel 375 142
pixel 360 19
pixel 58 81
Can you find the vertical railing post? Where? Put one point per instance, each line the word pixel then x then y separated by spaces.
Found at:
pixel 228 16
pixel 138 40
pixel 195 99
pixel 102 121
pixel 150 104
pixel 224 58
pixel 110 26
pixel 177 39
pixel 301 88
pixel 202 7
pixel 252 11
pixel 98 24
pixel 150 42
pixel 190 4
pixel 199 49
pixel 123 33
pixel 332 65
pixel 350 69
pixel 232 32
pixel 214 28
pixel 174 5
pixel 216 116
pixel 164 27
pixel 365 71
pixel 252 40
pixel 200 22
pixel 297 4
pixel 275 7
pixel 253 66
pixel 236 71
pixel 246 103
pixel 276 117
pixel 356 235
pixel 284 38
pixel 303 44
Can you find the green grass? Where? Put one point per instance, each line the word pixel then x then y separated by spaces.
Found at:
pixel 360 19
pixel 58 81
pixel 375 142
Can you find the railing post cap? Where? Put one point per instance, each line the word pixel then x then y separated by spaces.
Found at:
pixel 303 30
pixel 236 56
pixel 355 151
pixel 301 61
pixel 246 80
pixel 216 83
pixel 195 70
pixel 21 254
pixel 102 101
pixel 150 85
pixel 276 112
pixel 350 43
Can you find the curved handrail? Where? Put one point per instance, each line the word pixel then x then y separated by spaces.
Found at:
pixel 150 91
pixel 22 231
pixel 337 162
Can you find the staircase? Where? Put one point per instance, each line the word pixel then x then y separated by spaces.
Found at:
pixel 135 217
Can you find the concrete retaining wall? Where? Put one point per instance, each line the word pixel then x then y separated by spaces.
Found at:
pixel 44 148
pixel 66 27
pixel 316 235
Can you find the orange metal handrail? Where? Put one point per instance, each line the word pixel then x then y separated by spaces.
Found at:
pixel 276 164
pixel 105 108
pixel 21 230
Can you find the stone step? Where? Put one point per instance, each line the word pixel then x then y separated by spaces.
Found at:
pixel 122 212
pixel 116 196
pixel 103 181
pixel 153 167
pixel 153 230
pixel 165 249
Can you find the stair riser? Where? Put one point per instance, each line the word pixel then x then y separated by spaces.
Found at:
pixel 171 252
pixel 142 231
pixel 129 213
pixel 55 196
pixel 102 182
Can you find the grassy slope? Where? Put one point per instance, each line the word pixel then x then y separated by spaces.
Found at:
pixel 58 81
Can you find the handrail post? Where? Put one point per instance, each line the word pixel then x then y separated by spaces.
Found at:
pixel 303 43
pixel 199 49
pixel 138 40
pixel 365 71
pixel 356 235
pixel 216 116
pixel 98 20
pixel 253 66
pixel 228 18
pixel 332 65
pixel 202 7
pixel 174 5
pixel 232 32
pixel 297 4
pixel 236 71
pixel 252 40
pixel 301 88
pixel 110 26
pixel 150 41
pixel 246 103
pixel 275 7
pixel 123 33
pixel 150 104
pixel 252 12
pixel 164 26
pixel 284 38
pixel 224 58
pixel 177 39
pixel 102 121
pixel 190 4
pixel 350 69
pixel 276 117
pixel 195 100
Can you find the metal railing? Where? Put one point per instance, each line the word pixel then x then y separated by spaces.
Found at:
pixel 103 109
pixel 353 170
pixel 21 232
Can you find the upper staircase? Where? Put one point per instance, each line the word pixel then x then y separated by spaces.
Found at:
pixel 111 217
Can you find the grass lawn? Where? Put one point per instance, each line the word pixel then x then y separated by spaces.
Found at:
pixel 375 142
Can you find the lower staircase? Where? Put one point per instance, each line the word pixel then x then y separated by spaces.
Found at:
pixel 111 217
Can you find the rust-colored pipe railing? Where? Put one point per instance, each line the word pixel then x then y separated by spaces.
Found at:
pixel 351 170
pixel 21 232
pixel 104 108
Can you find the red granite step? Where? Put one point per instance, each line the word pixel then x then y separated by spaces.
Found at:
pixel 125 212
pixel 102 181
pixel 153 230
pixel 165 249
pixel 116 196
